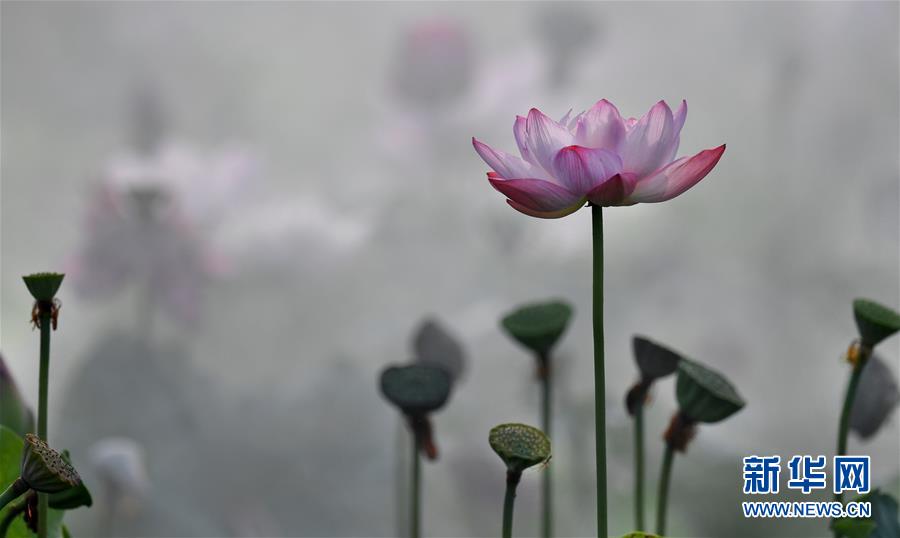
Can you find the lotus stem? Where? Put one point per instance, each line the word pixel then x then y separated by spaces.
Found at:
pixel 639 465
pixel 599 374
pixel 17 488
pixel 400 491
pixel 663 498
pixel 546 420
pixel 43 386
pixel 509 501
pixel 415 530
pixel 844 426
pixel 15 509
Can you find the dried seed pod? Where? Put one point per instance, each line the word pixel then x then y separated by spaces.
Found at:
pixel 44 469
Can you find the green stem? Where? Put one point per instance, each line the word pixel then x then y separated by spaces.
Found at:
pixel 639 466
pixel 415 530
pixel 43 385
pixel 509 501
pixel 400 491
pixel 663 498
pixel 17 488
pixel 599 374
pixel 13 511
pixel 844 427
pixel 546 419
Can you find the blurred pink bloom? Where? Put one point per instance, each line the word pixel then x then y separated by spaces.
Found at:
pixel 203 185
pixel 434 63
pixel 149 224
pixel 595 157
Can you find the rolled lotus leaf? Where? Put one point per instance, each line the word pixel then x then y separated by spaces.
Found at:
pixel 417 388
pixel 43 286
pixel 704 395
pixel 874 321
pixel 876 398
pixel 538 326
pixel 654 360
pixel 44 469
pixel 519 446
pixel 433 345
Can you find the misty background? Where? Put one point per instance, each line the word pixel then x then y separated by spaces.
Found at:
pixel 257 204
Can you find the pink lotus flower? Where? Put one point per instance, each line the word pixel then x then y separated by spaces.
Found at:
pixel 595 157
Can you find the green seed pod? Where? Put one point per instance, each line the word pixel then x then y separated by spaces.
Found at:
pixel 654 360
pixel 874 321
pixel 43 286
pixel 416 389
pixel 538 326
pixel 704 395
pixel 519 446
pixel 44 469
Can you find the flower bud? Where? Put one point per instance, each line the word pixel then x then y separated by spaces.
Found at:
pixel 874 321
pixel 519 446
pixel 538 326
pixel 44 469
pixel 704 395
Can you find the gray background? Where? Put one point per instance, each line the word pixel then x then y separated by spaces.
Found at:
pixel 365 214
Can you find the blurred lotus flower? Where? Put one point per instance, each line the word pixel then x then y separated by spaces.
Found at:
pixel 595 157
pixel 202 186
pixel 119 463
pixel 566 32
pixel 130 238
pixel 149 222
pixel 434 64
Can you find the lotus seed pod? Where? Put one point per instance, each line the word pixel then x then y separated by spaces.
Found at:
pixel 519 446
pixel 704 395
pixel 43 286
pixel 71 498
pixel 874 321
pixel 44 469
pixel 416 389
pixel 654 360
pixel 433 345
pixel 538 326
